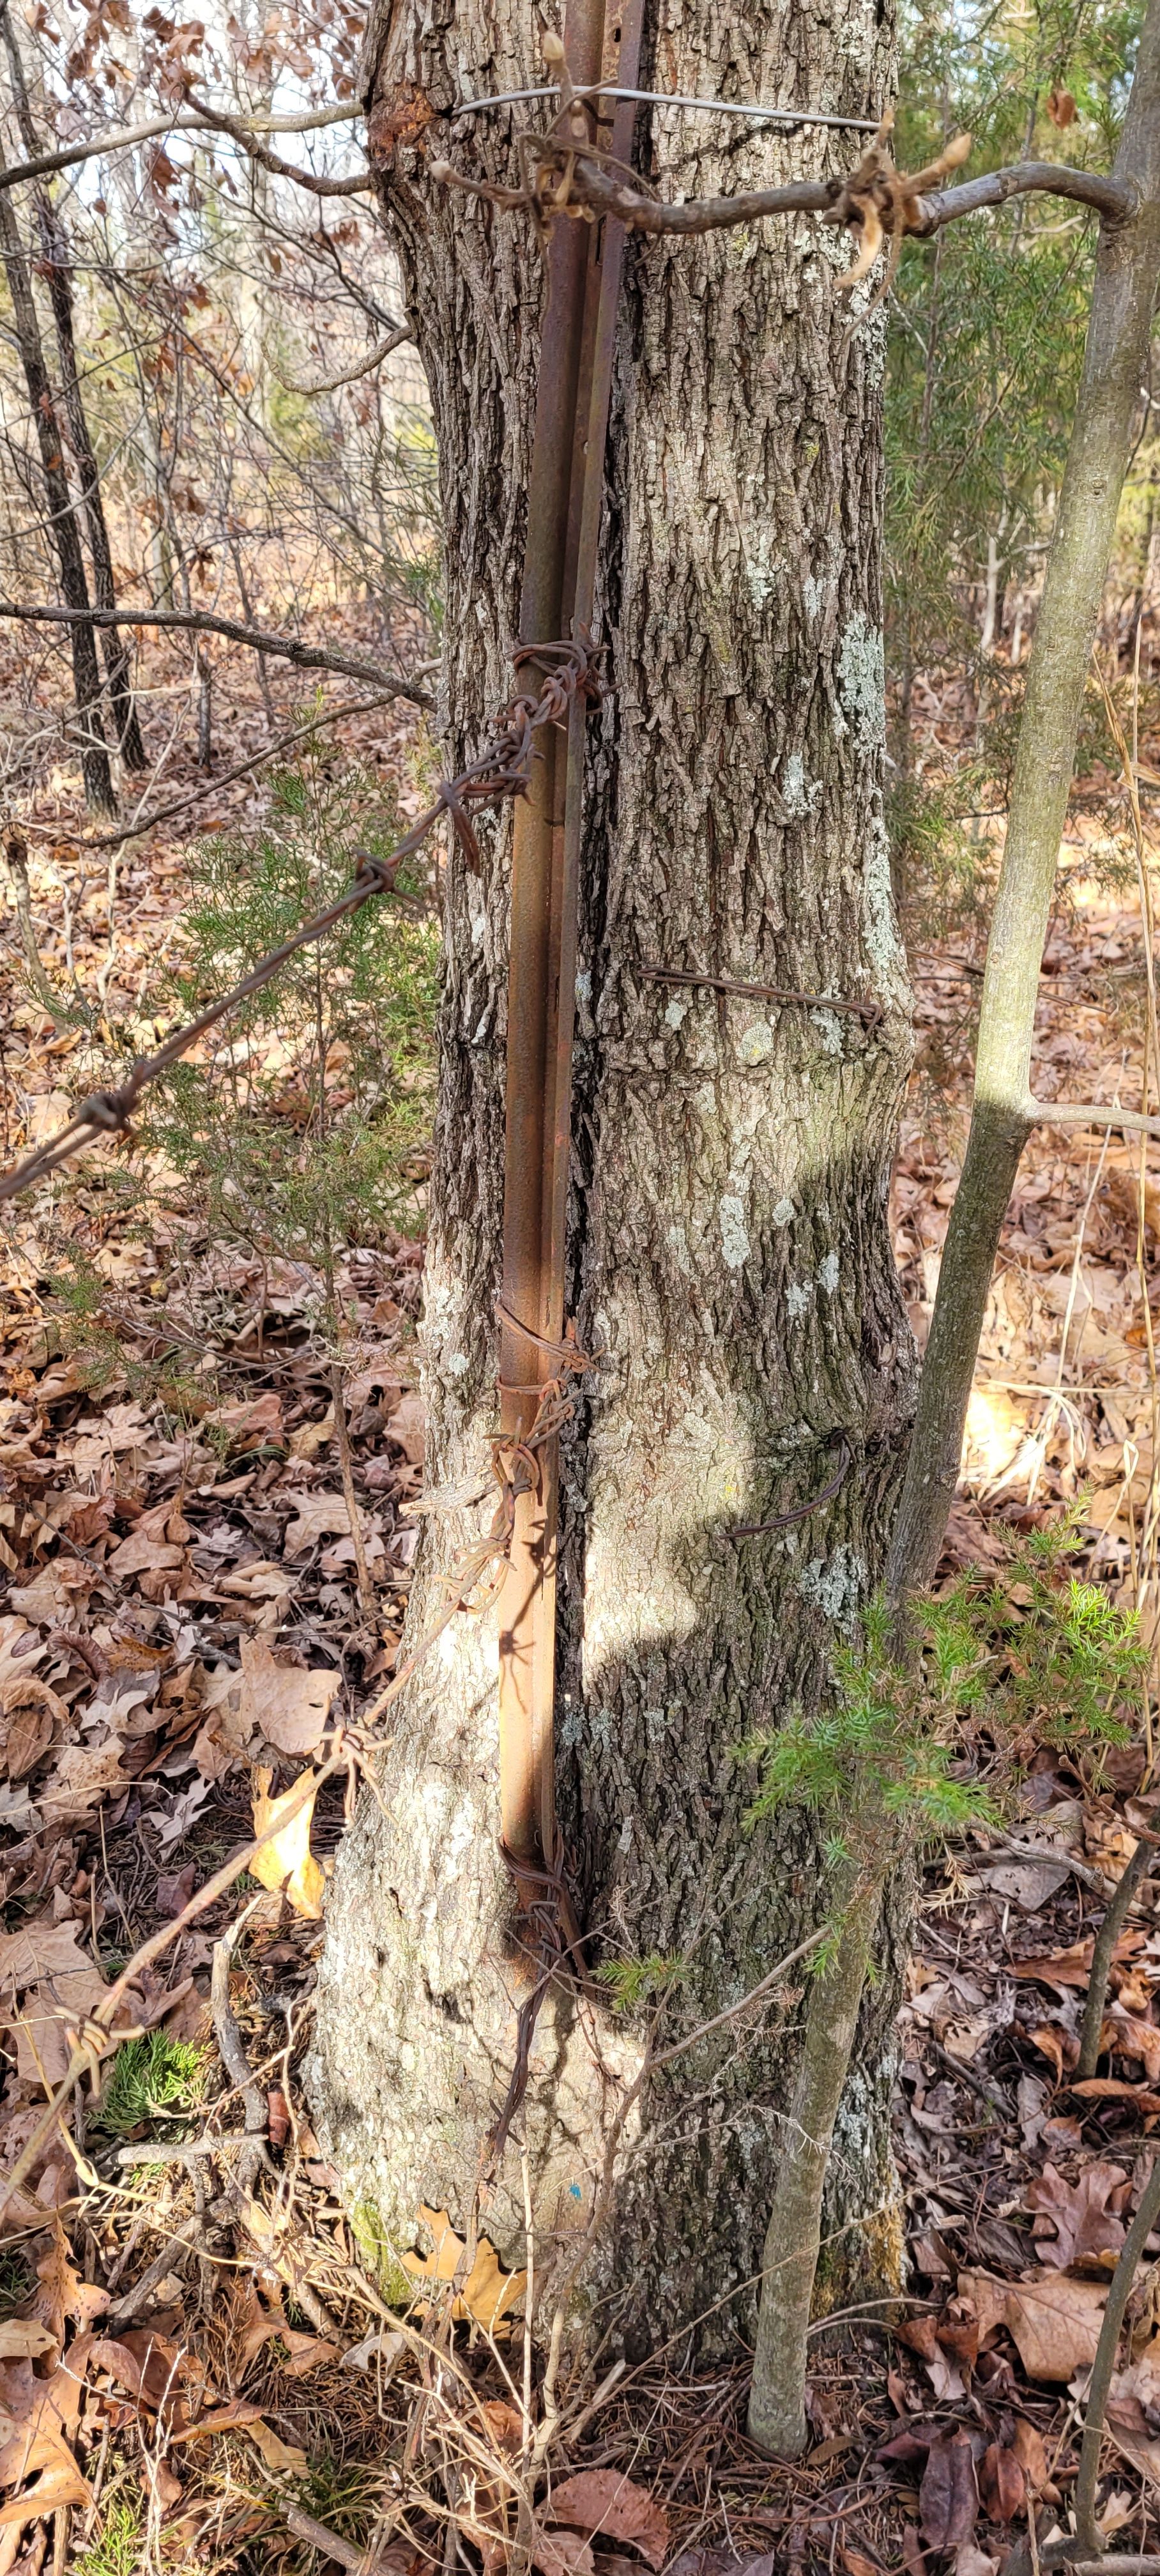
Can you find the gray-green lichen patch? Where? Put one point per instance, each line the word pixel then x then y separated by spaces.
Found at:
pixel 862 683
pixel 838 1584
pixel 735 1246
pixel 799 795
pixel 884 948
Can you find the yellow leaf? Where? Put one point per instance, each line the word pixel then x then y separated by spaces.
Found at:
pixel 287 1861
pixel 486 2292
pixel 276 2453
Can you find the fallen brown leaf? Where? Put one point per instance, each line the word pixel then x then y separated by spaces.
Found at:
pixel 486 2292
pixel 24 2337
pixel 1062 1968
pixel 32 1712
pixel 286 1704
pixel 562 2553
pixel 276 2453
pixel 1030 2451
pixel 1002 2485
pixel 604 2501
pixel 1073 2219
pixel 949 2495
pixel 1053 2321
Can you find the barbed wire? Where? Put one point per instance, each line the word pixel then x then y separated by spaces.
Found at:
pixel 503 769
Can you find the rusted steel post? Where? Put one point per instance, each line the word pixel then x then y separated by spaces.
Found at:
pixel 563 524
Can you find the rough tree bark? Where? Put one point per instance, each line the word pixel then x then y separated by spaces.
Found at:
pixel 730 1254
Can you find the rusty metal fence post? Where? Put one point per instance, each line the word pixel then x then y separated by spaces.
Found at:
pixel 564 500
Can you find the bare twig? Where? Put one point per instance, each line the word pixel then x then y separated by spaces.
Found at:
pixel 233 2055
pixel 592 188
pixel 1086 2533
pixel 1102 1955
pixel 189 121
pixel 329 2544
pixel 201 621
pixel 351 375
pixel 212 787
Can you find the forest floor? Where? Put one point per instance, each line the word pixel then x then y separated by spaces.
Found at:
pixel 197 2363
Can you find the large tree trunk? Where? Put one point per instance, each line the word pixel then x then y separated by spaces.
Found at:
pixel 729 1245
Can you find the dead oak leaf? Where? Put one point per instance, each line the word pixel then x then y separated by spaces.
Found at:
pixel 24 2339
pixel 945 2377
pixel 1132 2410
pixel 1058 2044
pixel 1060 1968
pixel 140 1554
pixel 1111 2088
pixel 83 1775
pixel 46 2412
pixel 1128 2035
pixel 1031 2452
pixel 31 1712
pixel 287 1705
pixel 319 1516
pixel 486 2292
pixel 610 2505
pixel 1073 2219
pixel 59 2484
pixel 1053 2321
pixel 1002 2485
pixel 62 2293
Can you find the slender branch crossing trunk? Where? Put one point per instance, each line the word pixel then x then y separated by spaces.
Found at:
pixel 1115 364
pixel 55 254
pixel 61 516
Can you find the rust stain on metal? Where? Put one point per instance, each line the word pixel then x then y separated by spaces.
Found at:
pixel 565 490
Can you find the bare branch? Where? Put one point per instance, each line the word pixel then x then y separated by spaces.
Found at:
pixel 1086 1113
pixel 1112 199
pixel 306 657
pixel 594 190
pixel 182 120
pixel 358 184
pixel 350 375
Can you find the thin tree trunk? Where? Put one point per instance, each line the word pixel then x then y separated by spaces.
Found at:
pixel 777 2415
pixel 1117 342
pixel 728 1240
pixel 1118 337
pixel 55 254
pixel 60 515
pixel 203 672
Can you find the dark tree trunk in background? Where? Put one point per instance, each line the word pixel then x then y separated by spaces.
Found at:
pixel 730 1253
pixel 60 514
pixel 55 254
